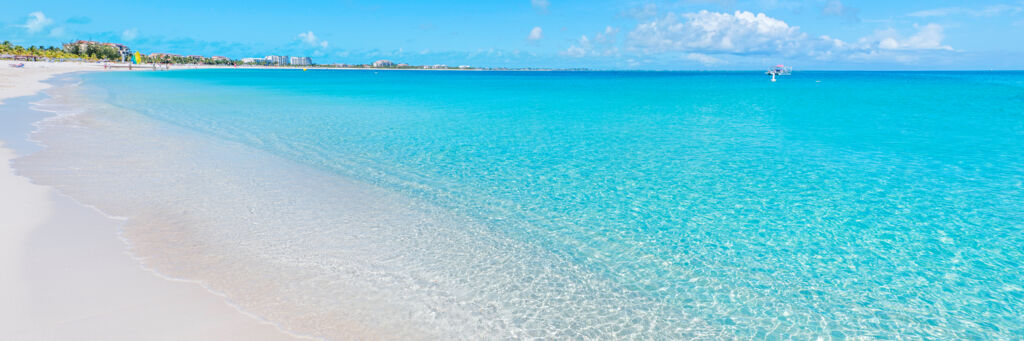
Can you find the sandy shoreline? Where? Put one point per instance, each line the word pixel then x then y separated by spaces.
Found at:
pixel 67 273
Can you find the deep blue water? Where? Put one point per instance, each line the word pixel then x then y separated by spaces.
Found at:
pixel 833 204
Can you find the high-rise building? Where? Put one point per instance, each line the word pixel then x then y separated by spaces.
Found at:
pixel 301 61
pixel 383 63
pixel 278 60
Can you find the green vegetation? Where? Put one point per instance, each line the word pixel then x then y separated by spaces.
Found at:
pixel 97 52
pixel 102 52
pixel 187 60
pixel 41 52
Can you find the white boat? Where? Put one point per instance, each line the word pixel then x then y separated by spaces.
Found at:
pixel 779 70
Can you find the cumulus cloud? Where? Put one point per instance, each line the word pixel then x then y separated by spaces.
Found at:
pixel 883 45
pixel 310 39
pixel 536 33
pixel 603 44
pixel 540 4
pixel 36 22
pixel 581 48
pixel 711 38
pixel 714 32
pixel 928 37
pixel 608 36
pixel 130 34
pixel 836 8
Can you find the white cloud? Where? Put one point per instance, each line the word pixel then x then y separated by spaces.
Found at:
pixel 130 34
pixel 580 49
pixel 714 32
pixel 989 11
pixel 603 44
pixel 709 38
pixel 608 36
pixel 884 45
pixel 36 22
pixel 310 39
pixel 881 56
pixel 928 37
pixel 540 4
pixel 536 33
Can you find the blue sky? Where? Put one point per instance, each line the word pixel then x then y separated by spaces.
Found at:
pixel 600 34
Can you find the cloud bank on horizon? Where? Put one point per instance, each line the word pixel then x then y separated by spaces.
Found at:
pixel 688 34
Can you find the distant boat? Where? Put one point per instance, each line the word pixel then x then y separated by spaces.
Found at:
pixel 779 70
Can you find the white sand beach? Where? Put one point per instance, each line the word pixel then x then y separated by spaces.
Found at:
pixel 65 274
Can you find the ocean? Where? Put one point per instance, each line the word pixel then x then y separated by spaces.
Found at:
pixel 609 205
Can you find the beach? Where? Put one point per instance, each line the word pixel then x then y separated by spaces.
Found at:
pixel 358 204
pixel 68 273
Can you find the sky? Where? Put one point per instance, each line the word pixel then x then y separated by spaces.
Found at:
pixel 594 34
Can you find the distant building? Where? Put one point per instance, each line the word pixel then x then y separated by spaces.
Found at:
pixel 383 63
pixel 256 61
pixel 220 59
pixel 402 65
pixel 196 57
pixel 163 55
pixel 81 45
pixel 464 67
pixel 124 51
pixel 277 60
pixel 301 61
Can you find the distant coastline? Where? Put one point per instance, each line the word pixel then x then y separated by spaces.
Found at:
pixel 119 55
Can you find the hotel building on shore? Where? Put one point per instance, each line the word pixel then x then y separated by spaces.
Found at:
pixel 254 61
pixel 301 61
pixel 383 63
pixel 82 45
pixel 277 60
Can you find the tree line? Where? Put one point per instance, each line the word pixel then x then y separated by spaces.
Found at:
pixel 98 52
pixel 185 60
pixel 6 48
pixel 94 51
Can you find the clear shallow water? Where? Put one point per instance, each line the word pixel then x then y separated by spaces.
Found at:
pixel 501 205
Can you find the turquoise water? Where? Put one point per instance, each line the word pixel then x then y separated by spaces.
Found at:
pixel 682 205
